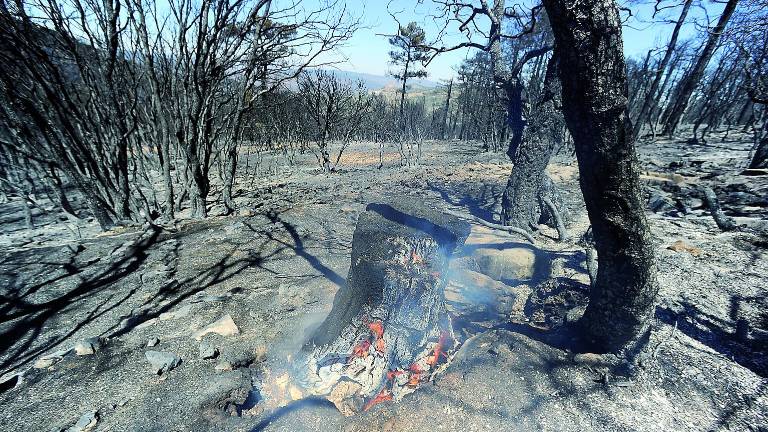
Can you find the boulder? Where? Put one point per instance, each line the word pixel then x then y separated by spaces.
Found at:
pixel 224 326
pixel 162 362
pixel 509 264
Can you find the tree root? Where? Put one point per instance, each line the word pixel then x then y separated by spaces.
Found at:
pixel 724 222
pixel 562 232
pixel 487 224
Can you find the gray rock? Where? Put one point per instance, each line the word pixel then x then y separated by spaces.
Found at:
pixel 86 422
pixel 208 351
pixel 153 342
pixel 658 202
pixel 162 362
pixel 87 346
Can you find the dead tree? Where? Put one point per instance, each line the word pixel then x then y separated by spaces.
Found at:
pixel 653 91
pixel 523 204
pixel 588 45
pixel 692 79
pixel 530 196
pixel 336 109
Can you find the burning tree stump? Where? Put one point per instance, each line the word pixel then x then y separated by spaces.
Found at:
pixel 388 330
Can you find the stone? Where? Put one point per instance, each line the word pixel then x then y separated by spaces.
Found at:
pixel 87 346
pixel 473 293
pixel 658 202
pixel 574 314
pixel 510 264
pixel 208 351
pixel 681 246
pixel 162 362
pixel 178 313
pixel 224 366
pixel 51 359
pixel 225 326
pixel 153 342
pixel 86 422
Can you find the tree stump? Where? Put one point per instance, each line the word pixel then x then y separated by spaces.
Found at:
pixel 388 329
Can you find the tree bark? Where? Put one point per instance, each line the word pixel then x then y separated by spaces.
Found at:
pixel 593 74
pixel 522 203
pixel 691 80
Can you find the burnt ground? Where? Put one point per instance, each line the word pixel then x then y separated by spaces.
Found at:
pixel 275 266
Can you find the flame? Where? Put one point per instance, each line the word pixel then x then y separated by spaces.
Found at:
pixel 384 395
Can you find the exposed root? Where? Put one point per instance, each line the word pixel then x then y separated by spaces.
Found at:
pixel 510 229
pixel 562 232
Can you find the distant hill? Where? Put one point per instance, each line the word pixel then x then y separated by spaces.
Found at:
pixel 380 82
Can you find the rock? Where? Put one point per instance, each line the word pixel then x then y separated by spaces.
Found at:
pixel 162 362
pixel 469 292
pixel 51 359
pixel 153 342
pixel 681 246
pixel 87 346
pixel 659 202
pixel 178 313
pixel 509 264
pixel 208 351
pixel 224 366
pixel 225 326
pixel 592 359
pixel 86 422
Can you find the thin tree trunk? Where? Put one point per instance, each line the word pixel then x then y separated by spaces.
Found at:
pixel 650 97
pixel 593 73
pixel 691 80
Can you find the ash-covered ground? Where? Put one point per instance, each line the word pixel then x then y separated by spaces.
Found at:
pixel 87 322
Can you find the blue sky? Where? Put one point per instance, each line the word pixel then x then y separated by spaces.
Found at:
pixel 368 51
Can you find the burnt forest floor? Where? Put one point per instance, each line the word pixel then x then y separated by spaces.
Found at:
pixel 275 266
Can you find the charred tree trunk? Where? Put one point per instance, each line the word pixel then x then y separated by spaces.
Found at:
pixel 691 80
pixel 389 327
pixel 528 188
pixel 593 74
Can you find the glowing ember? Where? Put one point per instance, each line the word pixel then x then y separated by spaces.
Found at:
pixel 384 395
pixel 394 373
pixel 438 351
pixel 377 328
pixel 360 350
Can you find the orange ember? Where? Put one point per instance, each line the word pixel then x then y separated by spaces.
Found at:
pixel 438 351
pixel 384 395
pixel 393 373
pixel 360 350
pixel 377 328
